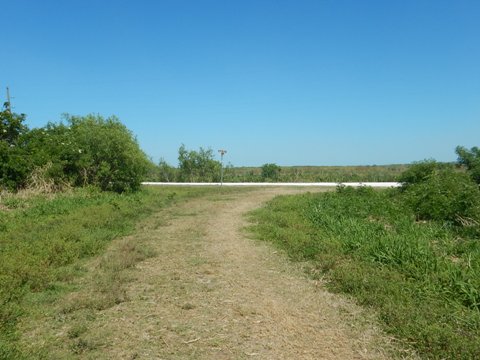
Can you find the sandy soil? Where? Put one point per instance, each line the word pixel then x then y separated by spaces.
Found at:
pixel 213 293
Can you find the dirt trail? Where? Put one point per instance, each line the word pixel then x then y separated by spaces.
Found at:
pixel 212 293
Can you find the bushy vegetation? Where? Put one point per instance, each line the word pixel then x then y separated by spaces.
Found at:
pixel 197 166
pixel 45 238
pixel 165 172
pixel 14 165
pixel 318 173
pixel 88 150
pixel 270 172
pixel 411 254
pixel 471 160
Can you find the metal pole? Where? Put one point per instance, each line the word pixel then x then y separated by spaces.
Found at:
pixel 8 106
pixel 221 172
pixel 222 152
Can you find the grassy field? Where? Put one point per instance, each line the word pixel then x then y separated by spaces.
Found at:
pixel 319 173
pixel 421 278
pixel 45 242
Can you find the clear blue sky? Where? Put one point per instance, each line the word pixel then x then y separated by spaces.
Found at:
pixel 292 82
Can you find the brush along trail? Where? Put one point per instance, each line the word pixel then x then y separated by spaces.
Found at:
pixel 211 292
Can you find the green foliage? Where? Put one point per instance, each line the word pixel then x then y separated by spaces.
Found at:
pixel 166 172
pixel 418 172
pixel 14 165
pixel 108 154
pixel 89 150
pixel 445 195
pixel 271 172
pixel 11 126
pixel 422 278
pixel 197 166
pixel 370 173
pixel 471 160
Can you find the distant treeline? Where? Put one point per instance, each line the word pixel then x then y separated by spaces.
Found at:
pixel 201 166
pixel 274 173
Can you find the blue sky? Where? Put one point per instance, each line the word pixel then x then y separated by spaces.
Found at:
pixel 292 82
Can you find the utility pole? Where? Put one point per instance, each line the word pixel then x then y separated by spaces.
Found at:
pixel 222 152
pixel 8 105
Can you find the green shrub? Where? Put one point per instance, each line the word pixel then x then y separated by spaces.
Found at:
pixel 14 164
pixel 420 171
pixel 108 154
pixel 166 172
pixel 271 172
pixel 445 195
pixel 89 150
pixel 471 160
pixel 197 165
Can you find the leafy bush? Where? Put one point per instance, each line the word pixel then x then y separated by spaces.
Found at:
pixel 197 165
pixel 14 165
pixel 166 172
pixel 104 152
pixel 271 172
pixel 420 171
pixel 471 160
pixel 445 196
pixel 11 126
pixel 89 150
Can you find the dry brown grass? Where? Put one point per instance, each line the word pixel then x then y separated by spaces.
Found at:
pixel 38 184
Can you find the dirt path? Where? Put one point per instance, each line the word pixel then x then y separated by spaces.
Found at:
pixel 212 293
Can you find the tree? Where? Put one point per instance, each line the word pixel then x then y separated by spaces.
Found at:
pixel 89 150
pixel 271 172
pixel 14 164
pixel 105 153
pixel 166 172
pixel 471 160
pixel 11 126
pixel 197 165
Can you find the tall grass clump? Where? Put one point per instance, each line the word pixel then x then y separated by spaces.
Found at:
pixel 410 255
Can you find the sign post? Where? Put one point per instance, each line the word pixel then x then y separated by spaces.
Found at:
pixel 222 152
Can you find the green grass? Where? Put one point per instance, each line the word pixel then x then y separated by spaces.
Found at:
pixel 421 278
pixel 44 240
pixel 319 173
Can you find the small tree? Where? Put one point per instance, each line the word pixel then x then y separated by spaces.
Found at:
pixel 418 172
pixel 14 164
pixel 11 126
pixel 471 160
pixel 271 172
pixel 197 165
pixel 106 153
pixel 166 172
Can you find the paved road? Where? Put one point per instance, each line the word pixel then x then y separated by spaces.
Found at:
pixel 297 184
